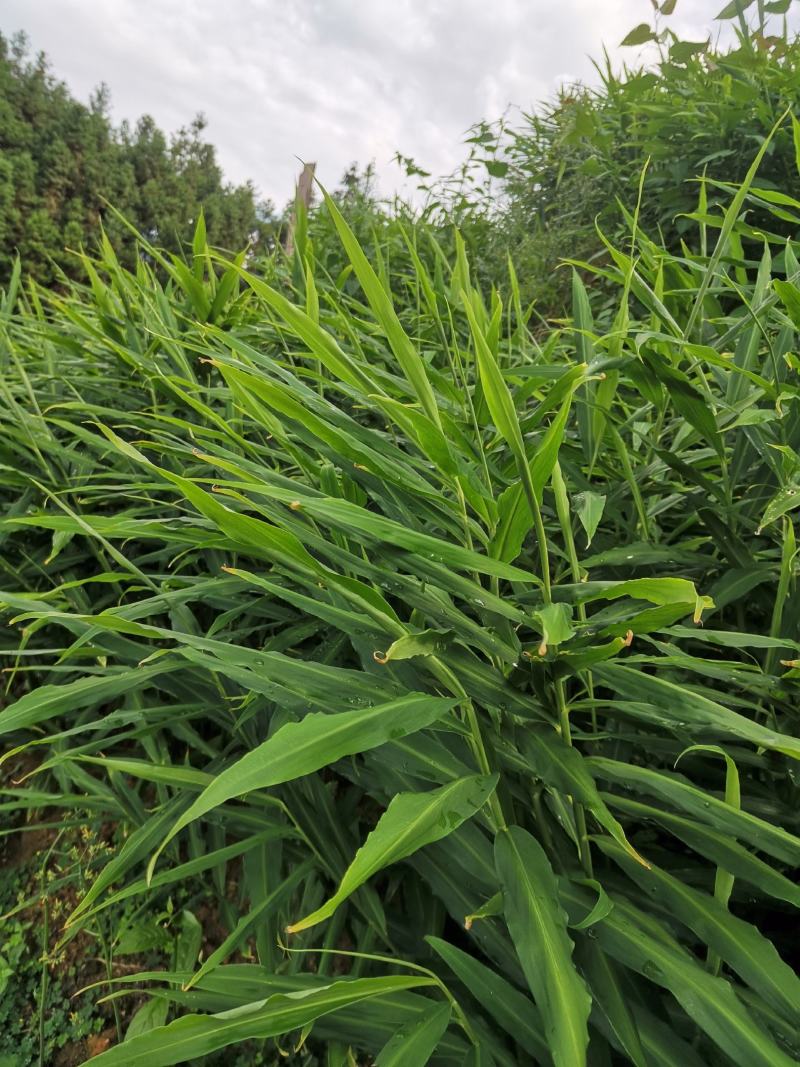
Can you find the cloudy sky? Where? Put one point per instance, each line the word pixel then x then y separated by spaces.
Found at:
pixel 331 80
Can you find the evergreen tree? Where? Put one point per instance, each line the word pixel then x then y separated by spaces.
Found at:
pixel 61 161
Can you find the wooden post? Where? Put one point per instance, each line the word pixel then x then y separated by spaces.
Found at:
pixel 303 194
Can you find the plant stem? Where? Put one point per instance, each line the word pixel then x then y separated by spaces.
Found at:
pixel 444 673
pixel 577 807
pixel 541 536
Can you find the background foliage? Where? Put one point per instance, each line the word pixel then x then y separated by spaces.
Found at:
pixel 60 161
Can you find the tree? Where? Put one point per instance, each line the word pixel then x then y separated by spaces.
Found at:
pixel 63 162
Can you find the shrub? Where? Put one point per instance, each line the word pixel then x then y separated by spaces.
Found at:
pixel 698 110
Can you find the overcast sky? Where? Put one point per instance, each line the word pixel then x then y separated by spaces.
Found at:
pixel 333 81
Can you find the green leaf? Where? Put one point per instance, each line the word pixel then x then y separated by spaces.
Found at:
pixel 152 1013
pixel 784 501
pixel 497 394
pixel 685 397
pixel 425 643
pixel 737 942
pixel 298 748
pixel 496 168
pixel 413 1046
pixel 248 922
pixel 561 767
pixel 321 343
pixel 661 591
pixel 194 1036
pixel 734 8
pixel 609 995
pixel 188 942
pixel 683 51
pixel 406 354
pixel 720 848
pixel 512 1010
pixel 728 223
pixel 538 927
pixel 789 293
pixel 555 622
pixel 49 700
pixel 683 707
pixel 411 821
pixel 701 806
pixel 640 34
pixel 589 509
pixel 646 947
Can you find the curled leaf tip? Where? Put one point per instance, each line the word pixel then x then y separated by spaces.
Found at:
pixel 629 638
pixel 295 505
pixel 542 650
pixel 380 657
pixel 468 923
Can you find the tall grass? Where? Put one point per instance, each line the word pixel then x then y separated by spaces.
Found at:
pixel 468 653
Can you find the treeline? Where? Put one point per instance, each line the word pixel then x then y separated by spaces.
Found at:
pixel 61 161
pixel 556 182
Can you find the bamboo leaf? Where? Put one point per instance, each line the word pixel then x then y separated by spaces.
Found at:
pixel 414 1045
pixel 562 767
pixel 538 926
pixel 193 1036
pixel 411 821
pixel 298 748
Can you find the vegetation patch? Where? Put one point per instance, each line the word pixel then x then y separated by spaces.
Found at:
pixel 414 673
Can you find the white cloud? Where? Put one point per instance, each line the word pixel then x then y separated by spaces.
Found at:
pixel 335 81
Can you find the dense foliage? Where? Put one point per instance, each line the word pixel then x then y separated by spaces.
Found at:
pixel 374 613
pixel 60 161
pixel 420 669
pixel 537 184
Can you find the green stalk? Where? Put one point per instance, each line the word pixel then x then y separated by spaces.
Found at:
pixel 475 739
pixel 577 808
pixel 562 510
pixel 538 525
pixel 788 553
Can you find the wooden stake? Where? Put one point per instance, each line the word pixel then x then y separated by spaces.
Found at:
pixel 303 194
